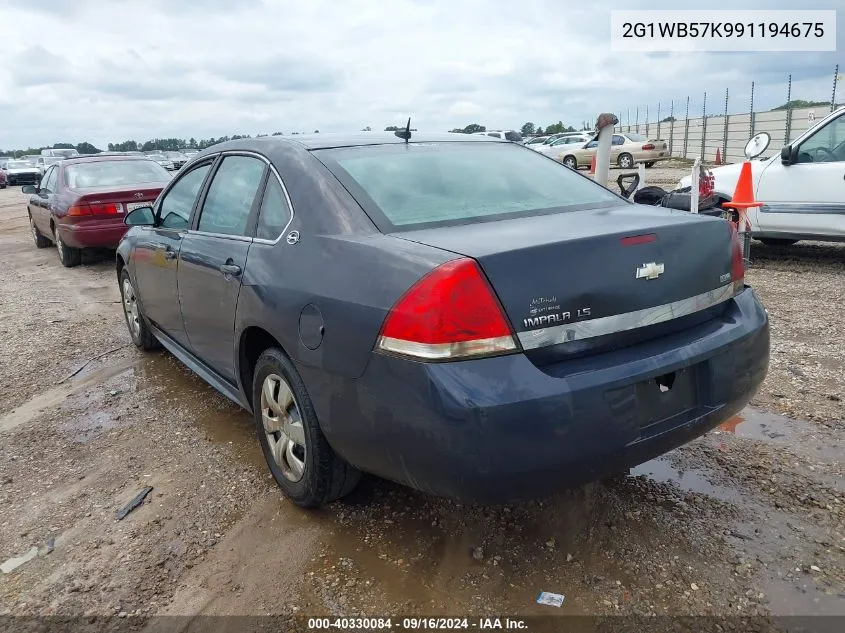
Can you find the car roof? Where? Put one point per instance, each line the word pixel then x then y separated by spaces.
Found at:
pixel 327 141
pixel 93 158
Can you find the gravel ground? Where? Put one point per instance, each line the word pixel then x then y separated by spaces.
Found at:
pixel 745 521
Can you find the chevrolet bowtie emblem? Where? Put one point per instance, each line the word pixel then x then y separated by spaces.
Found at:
pixel 650 271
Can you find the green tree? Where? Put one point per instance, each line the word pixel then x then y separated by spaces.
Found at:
pixel 64 146
pixel 86 148
pixel 367 129
pixel 316 131
pixel 278 133
pixel 472 128
pixel 668 119
pixel 527 129
pixel 539 131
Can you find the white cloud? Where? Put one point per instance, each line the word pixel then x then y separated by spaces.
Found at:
pixel 107 71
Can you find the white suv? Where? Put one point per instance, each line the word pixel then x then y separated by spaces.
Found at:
pixel 801 187
pixel 507 135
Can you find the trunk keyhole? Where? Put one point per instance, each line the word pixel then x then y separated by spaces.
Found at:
pixel 665 382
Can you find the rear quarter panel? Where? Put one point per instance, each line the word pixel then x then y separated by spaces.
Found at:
pixel 342 264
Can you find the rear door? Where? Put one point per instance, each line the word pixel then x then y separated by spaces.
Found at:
pixel 213 258
pixel 157 250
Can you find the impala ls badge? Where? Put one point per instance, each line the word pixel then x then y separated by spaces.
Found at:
pixel 650 271
pixel 139 195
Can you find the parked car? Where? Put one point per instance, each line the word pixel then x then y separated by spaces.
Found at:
pixel 60 153
pixel 563 144
pixel 177 158
pixel 3 178
pixel 529 331
pixel 625 150
pixel 81 202
pixel 535 140
pixel 505 135
pixel 800 187
pixel 43 162
pixel 162 160
pixel 22 172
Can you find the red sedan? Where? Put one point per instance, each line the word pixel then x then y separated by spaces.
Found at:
pixel 81 202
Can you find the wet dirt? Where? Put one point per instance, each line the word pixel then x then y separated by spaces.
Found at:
pixel 746 520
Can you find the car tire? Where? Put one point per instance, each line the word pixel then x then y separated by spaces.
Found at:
pixel 40 240
pixel 625 161
pixel 68 255
pixel 649 164
pixel 136 323
pixel 777 241
pixel 2 186
pixel 570 161
pixel 303 464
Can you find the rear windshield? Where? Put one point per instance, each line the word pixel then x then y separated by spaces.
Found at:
pixel 109 173
pixel 421 185
pixel 637 138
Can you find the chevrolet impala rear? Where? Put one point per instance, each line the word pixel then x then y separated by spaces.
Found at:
pixel 563 335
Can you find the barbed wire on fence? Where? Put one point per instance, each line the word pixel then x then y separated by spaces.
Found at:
pixel 728 132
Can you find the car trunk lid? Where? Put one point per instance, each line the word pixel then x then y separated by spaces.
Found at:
pixel 587 279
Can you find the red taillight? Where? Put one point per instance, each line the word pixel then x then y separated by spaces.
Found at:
pixel 648 146
pixel 737 261
pixel 94 209
pixel 449 314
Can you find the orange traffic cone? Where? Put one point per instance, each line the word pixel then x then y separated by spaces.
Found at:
pixel 592 165
pixel 718 157
pixel 743 197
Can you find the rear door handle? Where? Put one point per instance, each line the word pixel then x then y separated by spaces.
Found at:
pixel 169 253
pixel 228 270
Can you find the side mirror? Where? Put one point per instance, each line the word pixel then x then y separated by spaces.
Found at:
pixel 140 216
pixel 30 189
pixel 757 145
pixel 786 155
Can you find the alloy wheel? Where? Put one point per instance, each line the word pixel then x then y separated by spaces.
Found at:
pixel 130 308
pixel 283 427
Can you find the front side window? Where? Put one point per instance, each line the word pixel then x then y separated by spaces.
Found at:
pixel 827 145
pixel 174 212
pixel 49 181
pixel 231 196
pixel 435 184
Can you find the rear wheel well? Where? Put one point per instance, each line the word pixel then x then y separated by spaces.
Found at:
pixel 254 340
pixel 120 265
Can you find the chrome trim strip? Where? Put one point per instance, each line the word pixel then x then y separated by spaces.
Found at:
pixel 804 207
pixel 581 330
pixel 445 351
pixel 227 236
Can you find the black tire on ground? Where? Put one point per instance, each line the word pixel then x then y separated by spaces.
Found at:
pixel 40 240
pixel 777 241
pixel 68 255
pixel 570 161
pixel 141 335
pixel 2 186
pixel 649 163
pixel 625 161
pixel 326 476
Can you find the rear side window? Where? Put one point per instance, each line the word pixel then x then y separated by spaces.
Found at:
pixel 434 184
pixel 175 209
pixel 617 140
pixel 231 195
pixel 274 214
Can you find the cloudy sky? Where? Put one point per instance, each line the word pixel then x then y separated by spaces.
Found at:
pixel 102 71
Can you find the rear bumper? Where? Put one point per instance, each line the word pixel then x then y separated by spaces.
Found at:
pixel 105 233
pixel 502 429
